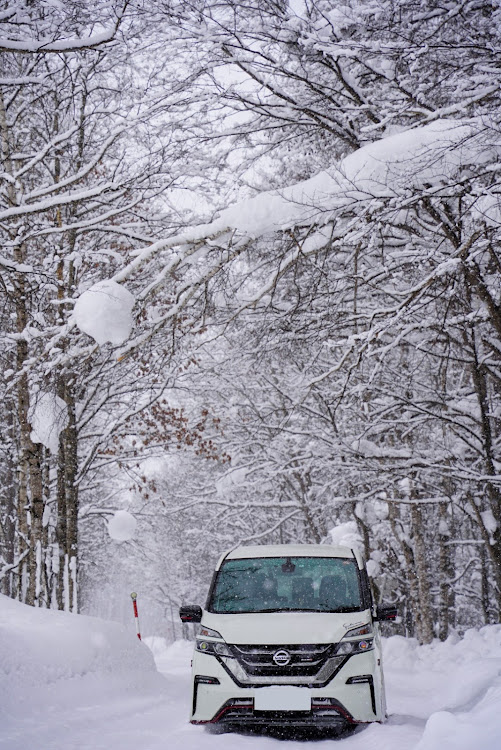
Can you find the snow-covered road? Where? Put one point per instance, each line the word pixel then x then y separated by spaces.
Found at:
pixel 76 683
pixel 156 719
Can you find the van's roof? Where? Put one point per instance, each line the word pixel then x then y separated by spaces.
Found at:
pixel 290 550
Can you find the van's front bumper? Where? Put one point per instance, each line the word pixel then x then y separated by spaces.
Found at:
pixel 352 696
pixel 242 713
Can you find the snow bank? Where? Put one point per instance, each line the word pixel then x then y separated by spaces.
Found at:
pixel 459 670
pixel 455 686
pixel 104 312
pixel 56 658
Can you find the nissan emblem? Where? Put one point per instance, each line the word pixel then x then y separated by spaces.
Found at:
pixel 281 658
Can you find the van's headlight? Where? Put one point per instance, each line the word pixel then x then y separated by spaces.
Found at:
pixel 351 643
pixel 213 648
pixel 354 647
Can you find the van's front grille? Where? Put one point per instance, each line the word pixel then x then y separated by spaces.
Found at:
pixel 303 660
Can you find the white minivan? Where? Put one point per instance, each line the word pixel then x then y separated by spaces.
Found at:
pixel 289 637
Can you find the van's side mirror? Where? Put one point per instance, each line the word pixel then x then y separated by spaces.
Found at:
pixel 190 613
pixel 386 613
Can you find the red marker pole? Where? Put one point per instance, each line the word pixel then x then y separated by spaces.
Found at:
pixel 136 616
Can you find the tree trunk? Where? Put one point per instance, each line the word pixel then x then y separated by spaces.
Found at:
pixel 492 538
pixel 71 491
pixel 37 553
pixel 425 621
pixel 412 622
pixel 9 508
pixel 446 604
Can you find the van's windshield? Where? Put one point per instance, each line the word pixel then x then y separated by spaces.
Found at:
pixel 286 584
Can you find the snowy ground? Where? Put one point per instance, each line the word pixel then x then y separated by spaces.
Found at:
pixel 69 682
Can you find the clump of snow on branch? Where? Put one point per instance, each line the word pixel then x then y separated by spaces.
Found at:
pixel 374 564
pixel 345 535
pixel 489 521
pixel 104 312
pixel 276 210
pixel 122 526
pixel 426 156
pixel 48 416
pixel 414 157
pixel 372 511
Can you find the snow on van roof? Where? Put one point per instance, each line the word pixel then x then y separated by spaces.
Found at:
pixel 288 550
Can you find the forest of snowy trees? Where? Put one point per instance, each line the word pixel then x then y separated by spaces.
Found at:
pixel 300 202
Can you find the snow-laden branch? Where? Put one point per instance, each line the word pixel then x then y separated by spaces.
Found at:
pixel 12 266
pixel 385 169
pixel 58 46
pixel 424 158
pixel 81 174
pixel 63 45
pixel 73 197
pixel 49 146
pixel 23 80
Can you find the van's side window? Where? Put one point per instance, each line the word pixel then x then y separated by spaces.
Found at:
pixel 366 589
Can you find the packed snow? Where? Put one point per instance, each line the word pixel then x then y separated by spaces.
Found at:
pixel 71 682
pixel 104 312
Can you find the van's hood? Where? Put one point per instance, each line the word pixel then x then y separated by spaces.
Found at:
pixel 284 628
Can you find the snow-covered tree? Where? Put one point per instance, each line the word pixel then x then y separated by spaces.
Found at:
pixel 361 292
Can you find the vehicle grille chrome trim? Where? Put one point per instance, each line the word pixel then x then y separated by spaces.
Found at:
pixel 309 664
pixel 305 659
